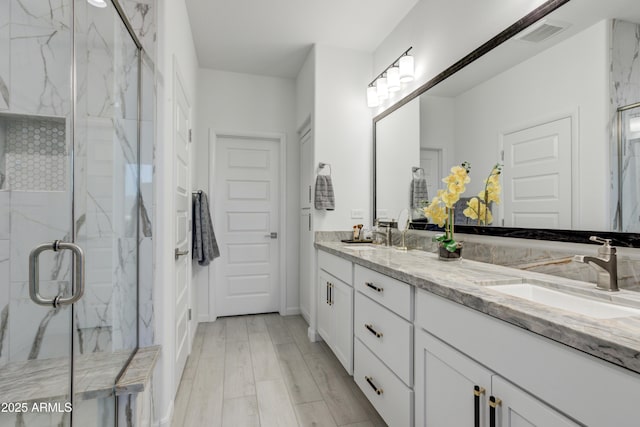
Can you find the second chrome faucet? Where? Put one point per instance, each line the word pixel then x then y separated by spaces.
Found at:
pixel 606 264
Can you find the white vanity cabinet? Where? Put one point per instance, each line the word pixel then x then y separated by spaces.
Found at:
pixel 335 306
pixel 383 357
pixel 537 381
pixel 452 389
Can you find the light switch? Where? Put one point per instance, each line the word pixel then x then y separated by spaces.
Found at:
pixel 357 214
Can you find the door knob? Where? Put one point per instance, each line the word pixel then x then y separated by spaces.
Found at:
pixel 179 253
pixel 272 235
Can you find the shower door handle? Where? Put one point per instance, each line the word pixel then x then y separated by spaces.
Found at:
pixel 34 273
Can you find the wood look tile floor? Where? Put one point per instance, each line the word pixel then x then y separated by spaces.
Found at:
pixel 261 370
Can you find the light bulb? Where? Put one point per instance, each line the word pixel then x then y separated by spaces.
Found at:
pixel 393 79
pixel 372 97
pixel 406 68
pixel 382 89
pixel 98 3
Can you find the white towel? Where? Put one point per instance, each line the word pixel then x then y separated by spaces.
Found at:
pixel 324 199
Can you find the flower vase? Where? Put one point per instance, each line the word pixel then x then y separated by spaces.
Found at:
pixel 445 255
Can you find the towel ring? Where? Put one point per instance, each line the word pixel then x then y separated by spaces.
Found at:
pixel 418 169
pixel 323 165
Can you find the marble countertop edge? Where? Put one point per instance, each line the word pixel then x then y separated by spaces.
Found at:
pixel 614 340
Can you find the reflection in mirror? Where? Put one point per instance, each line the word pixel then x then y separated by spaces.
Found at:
pixel 403 226
pixel 547 108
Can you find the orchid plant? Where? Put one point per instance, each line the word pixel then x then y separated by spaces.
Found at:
pixel 478 207
pixel 440 209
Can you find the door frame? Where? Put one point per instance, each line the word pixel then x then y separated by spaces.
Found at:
pixel 574 116
pixel 281 140
pixel 178 79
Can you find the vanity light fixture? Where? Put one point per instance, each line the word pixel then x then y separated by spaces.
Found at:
pixel 393 79
pixel 98 3
pixel 372 97
pixel 382 88
pixel 400 71
pixel 634 124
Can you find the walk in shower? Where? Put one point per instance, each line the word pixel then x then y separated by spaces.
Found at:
pixel 70 73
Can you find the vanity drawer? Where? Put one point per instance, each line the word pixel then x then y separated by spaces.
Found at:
pixel 387 335
pixel 336 266
pixel 391 293
pixel 395 400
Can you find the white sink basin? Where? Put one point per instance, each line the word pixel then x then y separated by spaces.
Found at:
pixel 558 299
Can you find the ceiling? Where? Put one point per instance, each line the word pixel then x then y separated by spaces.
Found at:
pixel 273 37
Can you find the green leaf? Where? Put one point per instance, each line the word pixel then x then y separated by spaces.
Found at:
pixel 439 238
pixel 450 245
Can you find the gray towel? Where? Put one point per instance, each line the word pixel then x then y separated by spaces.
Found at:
pixel 205 246
pixel 324 193
pixel 419 192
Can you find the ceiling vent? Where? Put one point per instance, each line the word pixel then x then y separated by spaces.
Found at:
pixel 541 31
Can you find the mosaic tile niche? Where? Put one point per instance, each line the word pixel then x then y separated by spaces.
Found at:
pixel 34 153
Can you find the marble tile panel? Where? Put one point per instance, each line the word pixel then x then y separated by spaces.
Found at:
pixel 5 214
pixel 40 57
pixel 4 303
pixel 37 332
pixel 142 14
pixel 5 45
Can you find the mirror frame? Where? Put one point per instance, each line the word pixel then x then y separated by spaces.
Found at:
pixel 631 240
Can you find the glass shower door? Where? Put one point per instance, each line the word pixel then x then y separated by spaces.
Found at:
pixel 68 191
pixel 36 187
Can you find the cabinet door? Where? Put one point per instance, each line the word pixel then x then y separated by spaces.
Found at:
pixel 342 305
pixel 519 409
pixel 324 309
pixel 444 385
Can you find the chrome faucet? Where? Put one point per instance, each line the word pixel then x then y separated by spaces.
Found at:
pixel 386 233
pixel 605 263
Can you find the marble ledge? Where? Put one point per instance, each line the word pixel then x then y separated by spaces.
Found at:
pixel 139 371
pixel 614 340
pixel 48 379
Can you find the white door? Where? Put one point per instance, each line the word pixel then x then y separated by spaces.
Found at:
pixel 246 224
pixel 431 162
pixel 182 195
pixel 537 176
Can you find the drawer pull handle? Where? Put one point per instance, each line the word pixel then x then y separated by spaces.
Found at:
pixel 374 287
pixel 477 393
pixel 373 331
pixel 378 391
pixel 494 402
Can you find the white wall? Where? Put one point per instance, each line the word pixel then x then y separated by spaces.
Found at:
pixel 443 32
pixel 249 103
pixel 521 97
pixel 305 89
pixel 342 123
pixel 174 41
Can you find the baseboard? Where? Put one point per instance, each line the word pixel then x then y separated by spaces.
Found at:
pixel 313 335
pixel 292 311
pixel 166 420
pixel 306 316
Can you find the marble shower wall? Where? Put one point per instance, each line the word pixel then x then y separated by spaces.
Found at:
pixel 624 87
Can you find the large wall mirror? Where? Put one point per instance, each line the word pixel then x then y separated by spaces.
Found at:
pixel 556 100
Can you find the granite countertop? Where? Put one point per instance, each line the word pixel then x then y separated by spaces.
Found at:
pixel 615 340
